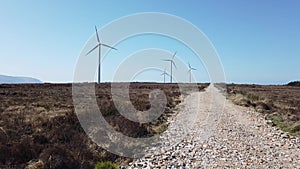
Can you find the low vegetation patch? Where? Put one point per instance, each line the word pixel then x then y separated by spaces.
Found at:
pixel 105 165
pixel 280 104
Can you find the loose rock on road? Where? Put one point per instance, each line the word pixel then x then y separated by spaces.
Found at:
pixel 223 135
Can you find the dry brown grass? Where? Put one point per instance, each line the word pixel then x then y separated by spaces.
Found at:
pixel 281 104
pixel 38 126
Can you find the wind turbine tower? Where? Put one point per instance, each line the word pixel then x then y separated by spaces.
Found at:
pixel 165 73
pixel 99 44
pixel 190 72
pixel 172 63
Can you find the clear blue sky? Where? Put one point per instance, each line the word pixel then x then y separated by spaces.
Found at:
pixel 257 41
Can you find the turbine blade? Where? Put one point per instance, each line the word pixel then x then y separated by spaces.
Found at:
pixel 189 65
pixel 193 68
pixel 92 49
pixel 97 34
pixel 174 64
pixel 167 60
pixel 108 46
pixel 174 55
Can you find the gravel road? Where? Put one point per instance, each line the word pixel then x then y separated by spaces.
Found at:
pixel 223 135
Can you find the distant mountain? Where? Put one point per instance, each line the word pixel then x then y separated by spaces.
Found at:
pixel 17 80
pixel 294 83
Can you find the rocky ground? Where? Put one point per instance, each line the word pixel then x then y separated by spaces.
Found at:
pixel 224 135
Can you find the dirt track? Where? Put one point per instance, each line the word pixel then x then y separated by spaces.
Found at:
pixel 224 136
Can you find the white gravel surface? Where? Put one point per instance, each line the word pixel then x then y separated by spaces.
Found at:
pixel 224 135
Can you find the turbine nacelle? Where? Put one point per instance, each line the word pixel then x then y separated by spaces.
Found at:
pixel 99 43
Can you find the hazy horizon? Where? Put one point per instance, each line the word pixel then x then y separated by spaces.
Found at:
pixel 167 82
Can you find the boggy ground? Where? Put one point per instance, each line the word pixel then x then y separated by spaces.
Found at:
pixel 279 103
pixel 39 129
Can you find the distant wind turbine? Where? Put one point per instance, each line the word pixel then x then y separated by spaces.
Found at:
pixel 190 71
pixel 99 59
pixel 172 63
pixel 165 73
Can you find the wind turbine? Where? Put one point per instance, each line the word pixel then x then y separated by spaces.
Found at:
pixel 172 63
pixel 99 59
pixel 190 71
pixel 165 73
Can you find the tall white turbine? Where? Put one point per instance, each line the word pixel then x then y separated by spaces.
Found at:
pixel 190 71
pixel 99 59
pixel 164 74
pixel 172 63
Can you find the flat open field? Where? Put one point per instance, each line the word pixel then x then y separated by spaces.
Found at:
pixel 280 104
pixel 38 126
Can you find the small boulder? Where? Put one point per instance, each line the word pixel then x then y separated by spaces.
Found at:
pixel 33 164
pixel 270 122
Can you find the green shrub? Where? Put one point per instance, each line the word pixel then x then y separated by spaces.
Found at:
pixel 296 128
pixel 106 165
pixel 252 97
